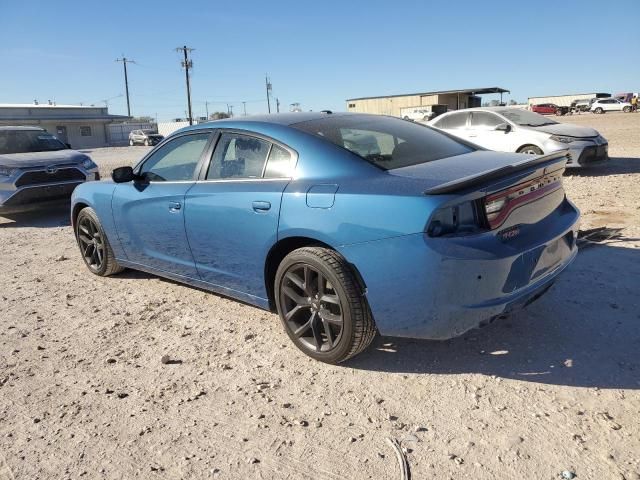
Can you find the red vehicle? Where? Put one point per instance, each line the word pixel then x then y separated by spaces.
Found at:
pixel 547 109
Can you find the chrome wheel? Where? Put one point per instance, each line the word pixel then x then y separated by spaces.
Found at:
pixel 91 243
pixel 311 308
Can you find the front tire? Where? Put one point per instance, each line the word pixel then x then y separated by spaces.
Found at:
pixel 321 305
pixel 94 245
pixel 626 109
pixel 598 110
pixel 146 142
pixel 530 150
pixel 130 143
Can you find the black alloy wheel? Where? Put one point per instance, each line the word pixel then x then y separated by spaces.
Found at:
pixel 91 244
pixel 94 244
pixel 311 307
pixel 322 305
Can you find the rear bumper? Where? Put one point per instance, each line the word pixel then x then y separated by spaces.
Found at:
pixel 422 287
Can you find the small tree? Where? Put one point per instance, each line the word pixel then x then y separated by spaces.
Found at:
pixel 218 115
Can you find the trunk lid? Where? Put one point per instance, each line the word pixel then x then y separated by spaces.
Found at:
pixel 493 190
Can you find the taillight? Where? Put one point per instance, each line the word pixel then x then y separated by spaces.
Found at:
pixel 498 206
pixel 462 219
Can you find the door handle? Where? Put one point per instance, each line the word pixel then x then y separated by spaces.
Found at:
pixel 260 206
pixel 174 206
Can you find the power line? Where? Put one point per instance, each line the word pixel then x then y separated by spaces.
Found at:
pixel 124 61
pixel 187 64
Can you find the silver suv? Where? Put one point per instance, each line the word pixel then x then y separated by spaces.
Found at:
pixel 36 169
pixel 144 137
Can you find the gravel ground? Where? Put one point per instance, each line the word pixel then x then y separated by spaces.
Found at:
pixel 84 394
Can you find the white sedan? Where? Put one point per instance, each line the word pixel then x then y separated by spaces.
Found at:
pixel 603 105
pixel 511 129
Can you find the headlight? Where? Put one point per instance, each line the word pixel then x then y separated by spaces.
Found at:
pixel 561 139
pixel 6 171
pixel 88 163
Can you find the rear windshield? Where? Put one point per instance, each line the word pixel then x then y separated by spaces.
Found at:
pixel 27 141
pixel 386 142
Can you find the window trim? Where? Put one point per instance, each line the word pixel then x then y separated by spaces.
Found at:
pixel 202 177
pixel 201 160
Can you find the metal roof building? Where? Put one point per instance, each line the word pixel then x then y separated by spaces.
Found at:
pixel 392 104
pixel 80 126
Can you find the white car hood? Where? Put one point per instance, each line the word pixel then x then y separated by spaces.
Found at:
pixel 39 159
pixel 567 129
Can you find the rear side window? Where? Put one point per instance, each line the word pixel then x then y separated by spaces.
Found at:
pixel 387 142
pixel 455 120
pixel 238 156
pixel 279 164
pixel 485 120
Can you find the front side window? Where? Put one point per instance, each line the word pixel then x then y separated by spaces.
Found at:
pixel 27 141
pixel 485 120
pixel 387 142
pixel 455 120
pixel 238 156
pixel 175 160
pixel 525 117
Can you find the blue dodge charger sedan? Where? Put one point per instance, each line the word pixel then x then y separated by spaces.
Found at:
pixel 345 224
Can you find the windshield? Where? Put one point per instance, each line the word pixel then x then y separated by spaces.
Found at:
pixel 27 141
pixel 386 142
pixel 525 117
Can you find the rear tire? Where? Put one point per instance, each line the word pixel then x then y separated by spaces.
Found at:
pixel 94 245
pixel 321 305
pixel 530 150
pixel 559 113
pixel 130 143
pixel 146 142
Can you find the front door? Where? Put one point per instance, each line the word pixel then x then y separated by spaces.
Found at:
pixel 482 131
pixel 149 212
pixel 61 133
pixel 231 216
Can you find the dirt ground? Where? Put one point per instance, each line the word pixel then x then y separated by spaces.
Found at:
pixel 84 394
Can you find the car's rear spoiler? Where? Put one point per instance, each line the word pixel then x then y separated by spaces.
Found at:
pixel 478 178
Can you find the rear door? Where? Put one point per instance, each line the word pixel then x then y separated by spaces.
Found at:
pixel 455 124
pixel 149 213
pixel 232 212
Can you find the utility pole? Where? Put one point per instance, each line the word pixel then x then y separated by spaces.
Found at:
pixel 124 61
pixel 277 105
pixel 206 106
pixel 244 108
pixel 187 64
pixel 231 111
pixel 269 87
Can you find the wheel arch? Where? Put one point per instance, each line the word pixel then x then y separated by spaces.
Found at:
pixel 528 144
pixel 77 207
pixel 281 249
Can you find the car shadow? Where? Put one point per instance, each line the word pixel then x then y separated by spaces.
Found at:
pixel 583 332
pixel 615 166
pixel 48 217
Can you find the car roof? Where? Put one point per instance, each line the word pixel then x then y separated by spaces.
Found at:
pixel 22 127
pixel 285 119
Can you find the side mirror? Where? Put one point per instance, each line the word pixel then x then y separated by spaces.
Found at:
pixel 123 175
pixel 503 127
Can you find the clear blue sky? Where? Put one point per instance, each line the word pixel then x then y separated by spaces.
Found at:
pixel 317 53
